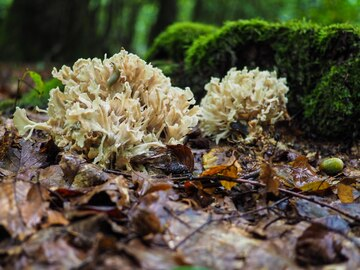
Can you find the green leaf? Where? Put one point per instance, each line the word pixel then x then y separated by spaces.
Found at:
pixel 39 83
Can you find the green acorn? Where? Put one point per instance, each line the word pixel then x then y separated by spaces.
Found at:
pixel 331 166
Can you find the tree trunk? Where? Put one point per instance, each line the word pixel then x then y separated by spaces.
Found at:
pixel 166 15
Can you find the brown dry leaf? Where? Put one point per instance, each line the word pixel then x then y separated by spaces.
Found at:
pixel 55 218
pixel 269 177
pixel 70 165
pixel 319 246
pixel 174 159
pixel 51 247
pixel 23 206
pixel 113 192
pixel 30 155
pixel 52 176
pixel 183 154
pixel 89 175
pixel 150 216
pixel 148 185
pixel 345 193
pixel 80 174
pixel 6 140
pixel 25 157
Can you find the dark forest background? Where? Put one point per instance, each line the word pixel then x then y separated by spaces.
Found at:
pixel 64 30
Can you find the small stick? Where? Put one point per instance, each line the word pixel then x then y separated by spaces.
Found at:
pixel 198 229
pixel 176 217
pixel 209 221
pixel 282 190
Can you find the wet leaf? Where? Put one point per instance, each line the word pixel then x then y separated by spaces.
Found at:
pixel 52 176
pixel 183 154
pixel 310 209
pixel 302 171
pixel 149 216
pixel 301 175
pixel 335 223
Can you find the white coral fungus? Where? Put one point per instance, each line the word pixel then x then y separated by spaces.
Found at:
pixel 114 109
pixel 252 98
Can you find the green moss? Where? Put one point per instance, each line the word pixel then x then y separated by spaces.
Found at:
pixel 174 41
pixel 338 42
pixel 332 109
pixel 285 47
pixel 298 50
pixel 296 59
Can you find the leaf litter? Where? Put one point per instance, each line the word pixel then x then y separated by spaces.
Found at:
pixel 210 207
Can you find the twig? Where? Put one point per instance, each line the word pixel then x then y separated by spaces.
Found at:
pixel 239 215
pixel 198 229
pixel 117 172
pixel 209 221
pixel 176 217
pixel 253 174
pixel 282 190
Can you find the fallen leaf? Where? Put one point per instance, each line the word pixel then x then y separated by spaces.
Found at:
pixel 221 161
pixel 150 216
pixel 112 192
pixel 345 193
pixel 302 171
pixel 224 170
pixel 301 175
pixel 218 156
pixel 308 209
pixel 319 246
pixel 269 177
pixel 55 218
pixel 23 206
pixel 25 155
pixel 314 186
pixel 174 159
pixel 183 155
pixel 147 185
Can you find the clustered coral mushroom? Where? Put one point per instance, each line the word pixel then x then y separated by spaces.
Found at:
pixel 253 98
pixel 114 109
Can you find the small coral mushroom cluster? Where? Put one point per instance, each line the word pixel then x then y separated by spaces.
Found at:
pixel 251 99
pixel 115 109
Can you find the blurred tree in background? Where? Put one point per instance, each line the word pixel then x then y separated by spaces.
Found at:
pixel 64 30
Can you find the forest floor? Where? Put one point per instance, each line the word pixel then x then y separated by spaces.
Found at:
pixel 196 206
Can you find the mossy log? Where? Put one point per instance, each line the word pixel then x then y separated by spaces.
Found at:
pixel 176 39
pixel 314 59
